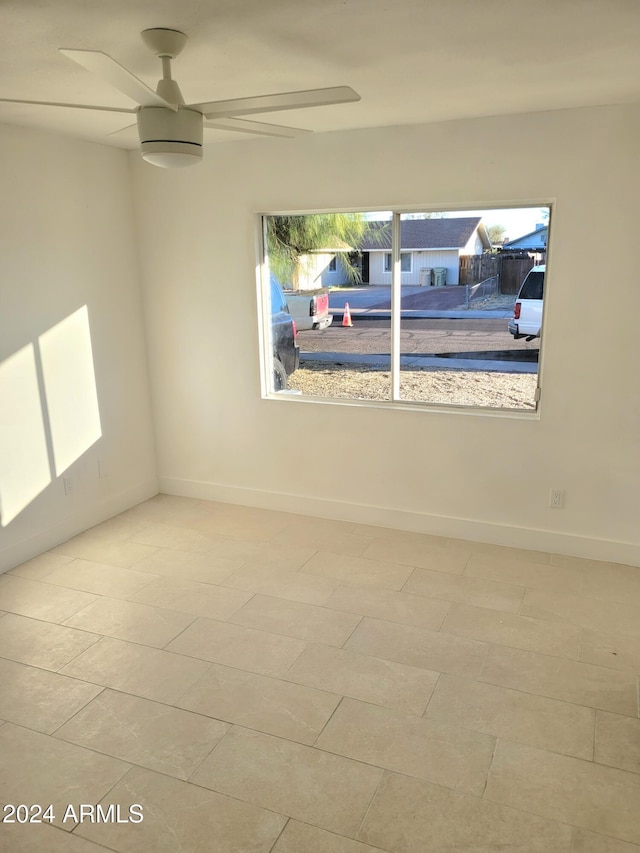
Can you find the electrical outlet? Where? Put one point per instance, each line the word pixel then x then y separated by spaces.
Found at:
pixel 68 485
pixel 556 498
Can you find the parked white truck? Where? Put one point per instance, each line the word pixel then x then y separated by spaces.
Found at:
pixel 527 311
pixel 309 308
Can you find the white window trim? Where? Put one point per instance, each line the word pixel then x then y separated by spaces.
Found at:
pixel 388 255
pixel 397 404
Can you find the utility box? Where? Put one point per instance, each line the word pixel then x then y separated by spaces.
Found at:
pixel 425 277
pixel 440 276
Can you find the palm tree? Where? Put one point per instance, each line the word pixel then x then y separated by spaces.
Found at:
pixel 292 239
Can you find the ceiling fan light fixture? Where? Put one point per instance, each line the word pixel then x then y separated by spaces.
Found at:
pixel 170 139
pixel 171 155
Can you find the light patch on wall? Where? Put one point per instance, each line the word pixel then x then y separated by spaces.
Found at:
pixel 70 388
pixel 24 460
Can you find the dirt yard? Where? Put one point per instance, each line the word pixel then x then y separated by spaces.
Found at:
pixel 453 387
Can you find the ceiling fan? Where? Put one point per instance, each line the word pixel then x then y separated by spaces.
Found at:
pixel 171 131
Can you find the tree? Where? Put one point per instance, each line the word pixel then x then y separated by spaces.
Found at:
pixel 496 233
pixel 291 239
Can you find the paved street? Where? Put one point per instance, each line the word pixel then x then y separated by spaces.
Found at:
pixel 418 336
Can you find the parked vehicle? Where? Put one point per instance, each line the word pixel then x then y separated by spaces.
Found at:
pixel 309 308
pixel 527 311
pixel 286 352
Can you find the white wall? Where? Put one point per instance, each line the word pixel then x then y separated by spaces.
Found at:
pixel 472 475
pixel 73 372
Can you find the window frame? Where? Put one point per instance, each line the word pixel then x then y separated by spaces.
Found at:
pixel 396 403
pixel 388 261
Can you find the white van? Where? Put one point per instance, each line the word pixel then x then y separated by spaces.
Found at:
pixel 527 312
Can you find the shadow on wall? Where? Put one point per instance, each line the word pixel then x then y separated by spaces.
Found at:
pixel 50 411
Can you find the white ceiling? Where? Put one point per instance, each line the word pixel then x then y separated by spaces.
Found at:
pixel 412 61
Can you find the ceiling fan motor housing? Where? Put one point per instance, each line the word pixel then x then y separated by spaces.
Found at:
pixel 168 138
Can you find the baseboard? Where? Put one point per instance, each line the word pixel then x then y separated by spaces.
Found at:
pixel 531 539
pixel 77 523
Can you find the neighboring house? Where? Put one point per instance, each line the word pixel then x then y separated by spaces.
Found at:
pixel 425 245
pixel 535 241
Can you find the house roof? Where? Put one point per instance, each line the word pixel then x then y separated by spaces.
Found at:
pixel 451 233
pixel 536 239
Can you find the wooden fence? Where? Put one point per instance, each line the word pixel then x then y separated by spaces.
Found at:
pixel 475 268
pixel 510 269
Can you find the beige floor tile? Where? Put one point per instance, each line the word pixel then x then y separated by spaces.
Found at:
pixel 127 620
pixel 589 842
pixel 39 699
pixel 610 649
pixel 357 570
pixel 411 816
pixel 146 733
pixel 197 599
pixel 161 508
pixel 408 552
pixel 163 535
pixel 465 590
pixel 503 552
pixel 371 679
pixel 591 613
pixel 257 702
pixel 141 670
pixel 417 647
pixel 245 523
pixel 525 573
pixel 264 553
pixel 523 717
pixel 100 579
pixel 39 567
pixel 419 540
pixel 612 582
pixel 40 600
pixel 427 749
pixel 567 789
pixel 333 536
pixel 293 619
pixel 183 817
pixel 117 528
pixel 189 566
pixel 305 783
pixel 617 741
pixel 93 546
pixel 37 768
pixel 391 606
pixel 240 647
pixel 37 838
pixel 302 838
pixel 507 629
pixel 571 681
pixel 282 583
pixel 42 644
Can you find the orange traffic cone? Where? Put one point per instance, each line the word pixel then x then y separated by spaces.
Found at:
pixel 346 317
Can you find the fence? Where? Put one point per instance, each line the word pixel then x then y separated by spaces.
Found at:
pixel 513 269
pixel 475 268
pixel 483 288
pixel 510 269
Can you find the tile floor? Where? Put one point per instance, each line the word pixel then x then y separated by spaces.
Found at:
pixel 259 681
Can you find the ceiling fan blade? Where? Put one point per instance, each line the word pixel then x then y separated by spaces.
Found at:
pixel 123 129
pixel 280 101
pixel 255 127
pixel 124 81
pixel 72 106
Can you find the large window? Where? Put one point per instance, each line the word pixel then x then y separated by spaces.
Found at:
pixel 455 325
